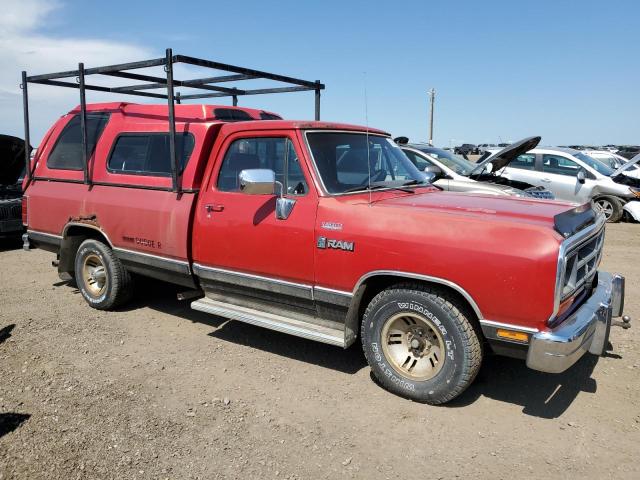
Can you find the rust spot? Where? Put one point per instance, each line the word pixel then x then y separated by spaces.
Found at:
pixel 86 219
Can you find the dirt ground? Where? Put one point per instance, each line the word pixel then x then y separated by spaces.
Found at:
pixel 157 390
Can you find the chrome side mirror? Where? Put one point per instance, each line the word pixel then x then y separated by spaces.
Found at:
pixel 262 181
pixel 581 176
pixel 258 181
pixel 284 207
pixel 433 172
pixel 429 177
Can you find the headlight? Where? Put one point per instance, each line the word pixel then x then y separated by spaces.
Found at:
pixel 635 191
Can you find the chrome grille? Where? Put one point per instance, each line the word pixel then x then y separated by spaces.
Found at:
pixel 581 264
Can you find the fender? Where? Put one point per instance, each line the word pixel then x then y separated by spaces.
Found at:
pixel 633 209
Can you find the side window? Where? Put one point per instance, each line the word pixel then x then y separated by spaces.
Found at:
pixel 526 161
pixel 269 153
pixel 148 153
pixel 418 161
pixel 559 165
pixel 67 152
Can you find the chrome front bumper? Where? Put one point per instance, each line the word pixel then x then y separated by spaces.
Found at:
pixel 587 330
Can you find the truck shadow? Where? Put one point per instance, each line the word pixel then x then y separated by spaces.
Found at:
pixel 540 394
pixel 5 332
pixel 10 243
pixel 502 379
pixel 11 421
pixel 161 297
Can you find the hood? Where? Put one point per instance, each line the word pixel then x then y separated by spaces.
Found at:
pixel 523 210
pixel 627 165
pixel 505 156
pixel 11 159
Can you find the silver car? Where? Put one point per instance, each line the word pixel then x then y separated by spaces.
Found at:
pixel 454 173
pixel 574 176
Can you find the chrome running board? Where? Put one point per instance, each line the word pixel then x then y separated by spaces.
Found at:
pixel 272 321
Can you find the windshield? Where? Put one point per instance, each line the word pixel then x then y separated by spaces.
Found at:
pixel 341 159
pixel 608 160
pixel 454 162
pixel 595 164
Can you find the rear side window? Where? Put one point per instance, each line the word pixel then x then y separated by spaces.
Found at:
pixel 67 153
pixel 148 153
pixel 418 161
pixel 526 161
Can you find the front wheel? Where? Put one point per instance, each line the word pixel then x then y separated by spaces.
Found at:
pixel 611 207
pixel 100 276
pixel 419 344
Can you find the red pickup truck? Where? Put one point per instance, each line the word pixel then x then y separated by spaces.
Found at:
pixel 322 230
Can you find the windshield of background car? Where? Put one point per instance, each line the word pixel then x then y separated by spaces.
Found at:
pixel 595 164
pixel 346 161
pixel 455 163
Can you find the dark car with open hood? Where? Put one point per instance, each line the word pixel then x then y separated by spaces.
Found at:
pixel 11 174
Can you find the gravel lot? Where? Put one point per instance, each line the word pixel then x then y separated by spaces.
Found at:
pixel 157 390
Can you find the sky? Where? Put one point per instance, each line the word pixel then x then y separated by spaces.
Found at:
pixel 502 70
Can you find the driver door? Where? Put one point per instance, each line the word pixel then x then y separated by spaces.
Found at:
pixel 240 245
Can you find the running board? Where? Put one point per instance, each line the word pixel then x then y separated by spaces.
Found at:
pixel 272 321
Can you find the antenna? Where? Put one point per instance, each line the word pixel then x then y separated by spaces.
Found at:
pixel 366 120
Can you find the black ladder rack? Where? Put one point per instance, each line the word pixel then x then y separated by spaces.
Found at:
pixel 210 86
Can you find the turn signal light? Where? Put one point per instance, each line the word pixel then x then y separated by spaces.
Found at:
pixel 511 335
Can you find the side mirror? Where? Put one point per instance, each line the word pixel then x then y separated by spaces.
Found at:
pixel 433 170
pixel 259 181
pixel 262 181
pixel 581 176
pixel 429 177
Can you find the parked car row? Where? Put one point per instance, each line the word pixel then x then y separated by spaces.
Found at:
pixel 610 181
pixel 575 176
pixel 625 151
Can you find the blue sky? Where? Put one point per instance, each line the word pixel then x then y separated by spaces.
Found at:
pixel 566 70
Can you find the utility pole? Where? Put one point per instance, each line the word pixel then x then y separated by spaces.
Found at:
pixel 432 97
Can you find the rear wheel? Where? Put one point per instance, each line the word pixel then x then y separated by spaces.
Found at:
pixel 420 344
pixel 100 276
pixel 611 207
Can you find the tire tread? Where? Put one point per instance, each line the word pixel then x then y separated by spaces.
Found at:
pixel 470 331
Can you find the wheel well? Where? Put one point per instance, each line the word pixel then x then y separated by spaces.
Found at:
pixel 375 284
pixel 73 236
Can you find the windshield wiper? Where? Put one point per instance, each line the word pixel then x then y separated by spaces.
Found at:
pixel 413 182
pixel 378 186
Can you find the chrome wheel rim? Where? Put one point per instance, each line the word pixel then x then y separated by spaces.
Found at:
pixel 606 206
pixel 413 346
pixel 94 275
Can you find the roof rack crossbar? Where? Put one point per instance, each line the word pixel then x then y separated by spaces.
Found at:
pixel 246 71
pixel 155 82
pixel 260 91
pixel 97 88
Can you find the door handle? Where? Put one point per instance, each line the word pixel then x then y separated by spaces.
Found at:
pixel 212 207
pixel 546 180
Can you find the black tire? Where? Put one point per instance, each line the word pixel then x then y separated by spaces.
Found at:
pixel 462 353
pixel 117 287
pixel 612 207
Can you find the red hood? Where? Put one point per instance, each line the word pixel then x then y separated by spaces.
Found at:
pixel 540 212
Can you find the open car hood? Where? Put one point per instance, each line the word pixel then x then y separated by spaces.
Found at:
pixel 505 156
pixel 627 165
pixel 11 159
